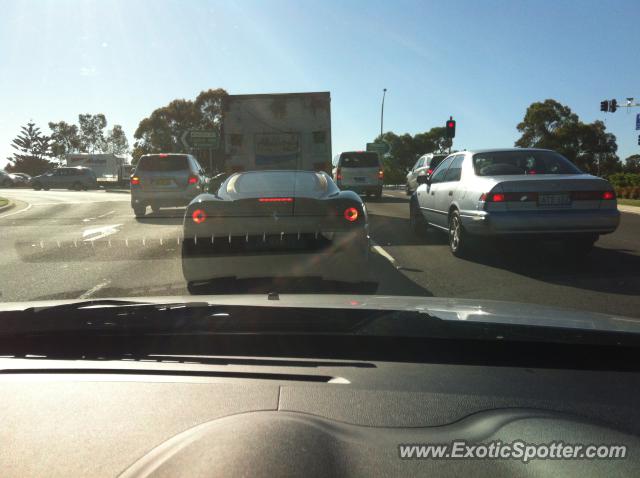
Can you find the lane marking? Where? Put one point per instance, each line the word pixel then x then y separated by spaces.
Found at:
pixel 100 232
pixel 379 250
pixel 105 214
pixel 17 212
pixel 94 289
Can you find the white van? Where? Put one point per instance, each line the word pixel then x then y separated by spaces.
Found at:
pixel 359 171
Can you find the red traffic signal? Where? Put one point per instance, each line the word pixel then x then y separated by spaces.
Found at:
pixel 451 128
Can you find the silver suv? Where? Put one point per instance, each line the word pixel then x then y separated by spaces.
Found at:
pixel 77 178
pixel 166 180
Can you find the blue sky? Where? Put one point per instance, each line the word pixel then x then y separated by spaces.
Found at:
pixel 483 62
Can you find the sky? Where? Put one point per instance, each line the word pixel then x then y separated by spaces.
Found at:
pixel 482 62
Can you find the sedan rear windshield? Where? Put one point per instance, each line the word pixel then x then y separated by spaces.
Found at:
pixel 359 160
pixel 163 163
pixel 506 163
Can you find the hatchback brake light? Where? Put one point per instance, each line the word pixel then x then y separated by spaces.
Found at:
pixel 339 174
pixel 429 171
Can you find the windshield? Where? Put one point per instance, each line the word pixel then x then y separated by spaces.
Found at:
pixel 211 148
pixel 521 162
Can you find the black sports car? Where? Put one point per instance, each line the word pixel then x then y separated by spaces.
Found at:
pixel 267 224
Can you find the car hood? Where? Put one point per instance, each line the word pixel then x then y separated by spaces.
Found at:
pixel 469 310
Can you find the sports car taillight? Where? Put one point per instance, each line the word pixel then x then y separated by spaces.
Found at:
pixel 199 216
pixel 135 181
pixel 351 214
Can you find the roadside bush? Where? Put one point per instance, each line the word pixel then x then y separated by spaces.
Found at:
pixel 622 180
pixel 628 192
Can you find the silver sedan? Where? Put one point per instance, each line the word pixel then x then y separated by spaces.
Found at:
pixel 514 193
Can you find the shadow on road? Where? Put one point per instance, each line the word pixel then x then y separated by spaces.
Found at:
pixel 388 200
pixel 396 231
pixel 164 217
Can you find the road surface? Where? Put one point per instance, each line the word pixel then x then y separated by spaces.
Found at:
pixel 66 244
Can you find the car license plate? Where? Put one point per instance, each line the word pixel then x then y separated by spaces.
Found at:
pixel 162 182
pixel 359 180
pixel 554 200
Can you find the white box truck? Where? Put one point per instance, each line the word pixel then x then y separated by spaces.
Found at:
pixel 107 167
pixel 277 131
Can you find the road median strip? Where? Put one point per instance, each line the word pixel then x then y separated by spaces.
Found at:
pixel 5 205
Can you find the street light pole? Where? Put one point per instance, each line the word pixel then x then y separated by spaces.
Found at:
pixel 384 92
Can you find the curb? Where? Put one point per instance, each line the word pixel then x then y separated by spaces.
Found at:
pixel 6 207
pixel 629 209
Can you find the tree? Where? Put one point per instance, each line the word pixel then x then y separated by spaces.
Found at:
pixel 163 129
pixel 92 132
pixel 33 148
pixel 65 139
pixel 116 141
pixel 632 164
pixel 405 149
pixel 551 125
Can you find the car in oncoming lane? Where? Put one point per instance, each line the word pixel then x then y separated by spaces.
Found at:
pixel 166 180
pixel 514 192
pixel 276 224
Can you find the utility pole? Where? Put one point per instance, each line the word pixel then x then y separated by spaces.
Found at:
pixel 384 92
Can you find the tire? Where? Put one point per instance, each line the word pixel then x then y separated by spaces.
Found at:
pixel 459 241
pixel 37 186
pixel 417 221
pixel 579 247
pixel 140 211
pixel 77 186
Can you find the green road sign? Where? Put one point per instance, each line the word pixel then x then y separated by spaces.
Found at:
pixel 201 139
pixel 380 148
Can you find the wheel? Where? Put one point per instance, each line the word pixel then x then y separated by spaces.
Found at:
pixel 77 186
pixel 459 240
pixel 140 211
pixel 417 221
pixel 579 247
pixel 37 186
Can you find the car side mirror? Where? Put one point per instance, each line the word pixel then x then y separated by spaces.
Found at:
pixel 423 179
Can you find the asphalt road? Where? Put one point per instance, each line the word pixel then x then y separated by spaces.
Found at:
pixel 67 244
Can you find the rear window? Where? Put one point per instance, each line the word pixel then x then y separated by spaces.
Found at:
pixel 359 160
pixel 507 163
pixel 435 161
pixel 163 163
pixel 283 182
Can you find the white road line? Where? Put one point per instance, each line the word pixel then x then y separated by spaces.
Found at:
pixel 378 249
pixel 17 212
pixel 94 289
pixel 105 214
pixel 100 232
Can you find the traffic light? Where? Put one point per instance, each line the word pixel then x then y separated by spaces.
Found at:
pixel 451 128
pixel 613 106
pixel 604 106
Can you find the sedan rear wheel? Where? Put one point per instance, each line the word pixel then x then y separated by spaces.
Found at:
pixel 140 211
pixel 37 186
pixel 77 186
